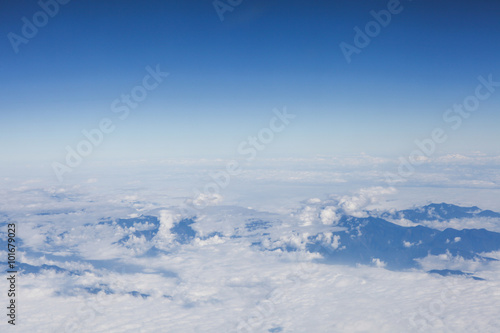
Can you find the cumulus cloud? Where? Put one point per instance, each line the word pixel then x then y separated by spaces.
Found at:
pixel 203 199
pixel 329 215
pixel 330 240
pixel 329 211
pixel 378 263
pixel 308 215
pixel 355 204
pixel 167 220
pixel 222 276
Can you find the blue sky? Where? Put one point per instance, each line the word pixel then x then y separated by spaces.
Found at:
pixel 227 76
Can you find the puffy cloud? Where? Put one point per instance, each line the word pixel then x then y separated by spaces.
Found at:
pixel 294 240
pixel 220 279
pixel 203 199
pixel 167 220
pixel 329 212
pixel 308 215
pixel 355 204
pixel 329 215
pixel 330 239
pixel 378 263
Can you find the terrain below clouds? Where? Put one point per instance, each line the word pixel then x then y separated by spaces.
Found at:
pixel 333 264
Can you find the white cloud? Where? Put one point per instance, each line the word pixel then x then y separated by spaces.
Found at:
pixel 492 224
pixel 203 199
pixel 167 219
pixel 213 283
pixel 308 215
pixel 378 263
pixel 330 239
pixel 355 204
pixel 329 215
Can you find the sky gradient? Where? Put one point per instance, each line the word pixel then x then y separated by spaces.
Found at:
pixel 223 166
pixel 226 77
